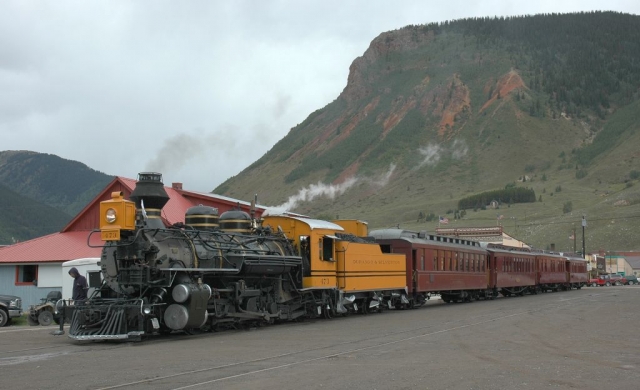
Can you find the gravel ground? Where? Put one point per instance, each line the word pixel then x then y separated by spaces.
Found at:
pixel 586 339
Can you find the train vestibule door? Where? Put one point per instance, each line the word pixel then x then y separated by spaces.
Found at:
pixel 414 279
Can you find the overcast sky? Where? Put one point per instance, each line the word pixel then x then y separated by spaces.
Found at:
pixel 197 90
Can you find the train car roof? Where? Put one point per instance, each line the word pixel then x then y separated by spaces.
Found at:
pixel 499 248
pixel 314 223
pixel 421 238
pixel 510 249
pixel 573 256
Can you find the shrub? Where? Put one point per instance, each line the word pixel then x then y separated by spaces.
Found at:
pixel 508 195
pixel 581 173
pixel 567 207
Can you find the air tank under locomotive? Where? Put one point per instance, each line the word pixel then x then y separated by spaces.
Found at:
pixel 211 270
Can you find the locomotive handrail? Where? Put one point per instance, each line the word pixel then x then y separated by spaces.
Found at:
pixel 118 245
pixel 276 259
pixel 221 270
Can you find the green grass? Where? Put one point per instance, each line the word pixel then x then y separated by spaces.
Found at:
pixel 19 321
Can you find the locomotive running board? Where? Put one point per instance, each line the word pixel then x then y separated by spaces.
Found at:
pixel 108 336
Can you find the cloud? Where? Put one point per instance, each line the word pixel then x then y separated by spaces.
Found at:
pixel 431 154
pixel 459 149
pixel 78 77
pixel 281 106
pixel 383 180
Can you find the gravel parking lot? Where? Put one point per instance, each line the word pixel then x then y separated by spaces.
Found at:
pixel 586 339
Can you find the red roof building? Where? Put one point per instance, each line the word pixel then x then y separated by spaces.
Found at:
pixel 40 258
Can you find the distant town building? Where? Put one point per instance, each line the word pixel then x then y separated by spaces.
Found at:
pixel 490 234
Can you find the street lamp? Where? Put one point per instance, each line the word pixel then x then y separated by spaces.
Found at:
pixel 584 225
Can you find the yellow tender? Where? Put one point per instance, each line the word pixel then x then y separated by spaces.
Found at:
pixel 331 262
pixel 363 267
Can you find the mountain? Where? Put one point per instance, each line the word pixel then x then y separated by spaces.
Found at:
pixel 22 218
pixel 433 114
pixel 65 185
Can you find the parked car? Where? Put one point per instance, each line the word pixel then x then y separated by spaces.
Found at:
pixel 594 282
pixel 10 307
pixel 632 279
pixel 613 279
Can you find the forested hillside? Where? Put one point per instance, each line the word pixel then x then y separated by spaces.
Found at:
pixel 432 114
pixel 63 184
pixel 22 218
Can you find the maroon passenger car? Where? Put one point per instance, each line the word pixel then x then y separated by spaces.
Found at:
pixel 452 267
pixel 577 269
pixel 512 271
pixel 552 271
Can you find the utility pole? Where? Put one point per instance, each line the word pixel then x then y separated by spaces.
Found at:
pixel 574 239
pixel 584 225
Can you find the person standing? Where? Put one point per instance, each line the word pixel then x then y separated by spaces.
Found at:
pixel 80 287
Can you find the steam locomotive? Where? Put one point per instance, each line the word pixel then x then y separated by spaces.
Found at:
pixel 215 271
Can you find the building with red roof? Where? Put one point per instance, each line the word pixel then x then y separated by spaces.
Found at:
pixel 31 269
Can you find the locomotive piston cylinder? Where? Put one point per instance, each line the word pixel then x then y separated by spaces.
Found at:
pixel 190 309
pixel 181 293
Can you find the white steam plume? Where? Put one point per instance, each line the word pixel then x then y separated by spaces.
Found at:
pixel 330 191
pixel 313 191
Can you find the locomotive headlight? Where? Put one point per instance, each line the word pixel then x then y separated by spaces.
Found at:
pixel 110 216
pixel 146 310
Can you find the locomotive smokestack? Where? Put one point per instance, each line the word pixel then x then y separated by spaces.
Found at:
pixel 150 195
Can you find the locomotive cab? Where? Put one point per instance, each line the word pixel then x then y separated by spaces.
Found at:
pixel 315 241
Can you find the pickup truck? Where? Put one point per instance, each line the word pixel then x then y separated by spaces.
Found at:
pixel 10 306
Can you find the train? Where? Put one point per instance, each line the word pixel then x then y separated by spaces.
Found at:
pixel 217 271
